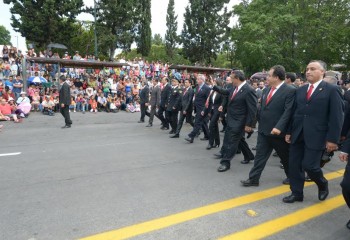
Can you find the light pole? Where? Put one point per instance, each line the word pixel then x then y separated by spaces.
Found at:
pixel 95 34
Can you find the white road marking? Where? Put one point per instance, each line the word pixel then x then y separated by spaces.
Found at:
pixel 9 154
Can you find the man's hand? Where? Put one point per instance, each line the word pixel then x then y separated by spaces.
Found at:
pixel 275 131
pixel 248 129
pixel 287 138
pixel 331 147
pixel 343 157
pixel 220 108
pixel 62 105
pixel 184 112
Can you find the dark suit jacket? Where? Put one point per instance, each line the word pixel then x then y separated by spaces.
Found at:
pixel 241 110
pixel 175 99
pixel 214 105
pixel 164 96
pixel 155 96
pixel 187 99
pixel 320 119
pixel 144 95
pixel 278 112
pixel 64 95
pixel 201 97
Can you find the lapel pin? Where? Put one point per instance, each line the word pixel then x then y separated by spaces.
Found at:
pixel 320 89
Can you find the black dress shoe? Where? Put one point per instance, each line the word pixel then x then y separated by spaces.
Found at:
pixel 323 192
pixel 204 139
pixel 223 168
pixel 140 121
pixel 238 152
pixel 249 183
pixel 292 198
pixel 348 224
pixel 188 139
pixel 149 125
pixel 175 136
pixel 172 132
pixel 165 128
pixel 286 181
pixel 209 147
pixel 246 161
pixel 66 126
pixel 218 155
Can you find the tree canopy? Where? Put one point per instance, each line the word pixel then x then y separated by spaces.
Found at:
pixel 171 37
pixel 5 37
pixel 205 29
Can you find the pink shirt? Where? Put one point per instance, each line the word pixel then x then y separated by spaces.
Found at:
pixel 5 109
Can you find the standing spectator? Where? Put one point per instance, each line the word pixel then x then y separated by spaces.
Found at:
pixel 17 86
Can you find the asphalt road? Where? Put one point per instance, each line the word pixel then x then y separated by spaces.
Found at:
pixel 108 172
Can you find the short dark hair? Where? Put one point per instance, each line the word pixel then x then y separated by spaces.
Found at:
pixel 292 76
pixel 63 78
pixel 279 71
pixel 238 75
pixel 322 63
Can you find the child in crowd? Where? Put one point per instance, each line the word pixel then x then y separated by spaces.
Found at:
pixel 137 106
pixel 80 103
pixel 56 101
pixel 35 101
pixel 93 104
pixel 72 104
pixel 130 107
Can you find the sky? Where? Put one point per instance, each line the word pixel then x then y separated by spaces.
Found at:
pixel 158 11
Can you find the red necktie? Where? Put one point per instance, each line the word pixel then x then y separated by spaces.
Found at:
pixel 309 92
pixel 234 93
pixel 270 95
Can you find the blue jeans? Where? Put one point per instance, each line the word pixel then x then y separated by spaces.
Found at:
pixel 80 107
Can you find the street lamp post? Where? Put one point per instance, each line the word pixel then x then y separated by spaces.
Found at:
pixel 95 34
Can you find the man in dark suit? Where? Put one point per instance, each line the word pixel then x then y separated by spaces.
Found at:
pixel 164 98
pixel 315 126
pixel 154 101
pixel 241 110
pixel 65 100
pixel 276 108
pixel 186 108
pixel 174 105
pixel 345 184
pixel 144 100
pixel 200 98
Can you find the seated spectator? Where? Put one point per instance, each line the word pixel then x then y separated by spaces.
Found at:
pixel 23 98
pixel 36 102
pixel 7 93
pixel 14 109
pixel 93 104
pixel 130 107
pixel 81 103
pixel 6 112
pixel 101 102
pixel 137 106
pixel 56 101
pixel 72 105
pixel 48 106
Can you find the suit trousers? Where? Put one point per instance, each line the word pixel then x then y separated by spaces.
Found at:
pixel 345 184
pixel 161 117
pixel 151 114
pixel 173 117
pixel 188 117
pixel 199 121
pixel 65 113
pixel 245 149
pixel 143 111
pixel 232 139
pixel 301 160
pixel 214 135
pixel 265 145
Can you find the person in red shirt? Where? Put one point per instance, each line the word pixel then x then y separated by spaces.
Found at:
pixel 6 111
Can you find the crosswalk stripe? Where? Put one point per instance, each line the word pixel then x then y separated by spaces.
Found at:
pixel 167 221
pixel 282 223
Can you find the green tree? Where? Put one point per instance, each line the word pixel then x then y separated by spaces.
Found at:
pixel 290 33
pixel 157 39
pixel 5 37
pixel 205 29
pixel 117 24
pixel 171 37
pixel 43 22
pixel 145 33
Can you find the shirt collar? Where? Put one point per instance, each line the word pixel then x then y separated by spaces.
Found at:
pixel 279 85
pixel 241 85
pixel 315 84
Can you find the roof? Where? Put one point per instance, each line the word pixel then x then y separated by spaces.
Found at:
pixel 76 63
pixel 198 69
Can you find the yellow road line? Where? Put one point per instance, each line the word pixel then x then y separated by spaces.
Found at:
pixel 160 223
pixel 279 224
